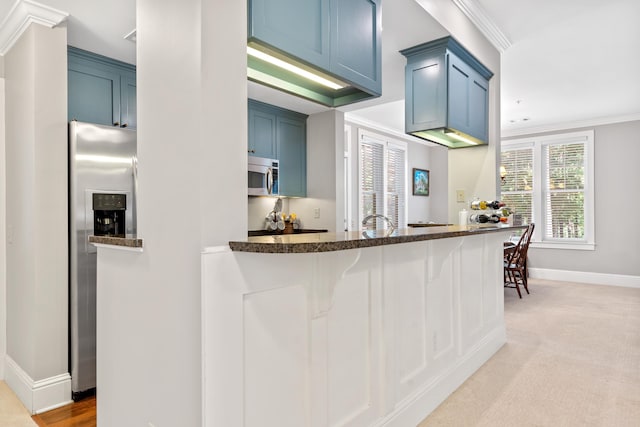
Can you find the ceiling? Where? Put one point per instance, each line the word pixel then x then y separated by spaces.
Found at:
pixel 564 62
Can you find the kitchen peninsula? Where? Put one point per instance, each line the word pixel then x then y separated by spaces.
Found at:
pixel 355 329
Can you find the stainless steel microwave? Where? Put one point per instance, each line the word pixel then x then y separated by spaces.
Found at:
pixel 263 177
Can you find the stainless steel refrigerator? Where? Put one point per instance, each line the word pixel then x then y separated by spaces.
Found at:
pixel 102 159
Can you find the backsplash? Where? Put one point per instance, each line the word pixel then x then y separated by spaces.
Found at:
pixel 259 207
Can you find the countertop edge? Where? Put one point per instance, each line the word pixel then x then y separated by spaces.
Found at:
pixel 338 245
pixel 132 243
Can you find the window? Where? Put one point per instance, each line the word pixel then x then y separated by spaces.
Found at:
pixel 549 181
pixel 382 179
pixel 517 188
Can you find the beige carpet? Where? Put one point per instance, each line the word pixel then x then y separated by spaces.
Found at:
pixel 12 412
pixel 572 358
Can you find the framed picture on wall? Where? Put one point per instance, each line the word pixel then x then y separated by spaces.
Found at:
pixel 420 182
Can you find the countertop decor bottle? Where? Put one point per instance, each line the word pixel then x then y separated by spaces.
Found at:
pixel 483 218
pixel 483 204
pixel 463 217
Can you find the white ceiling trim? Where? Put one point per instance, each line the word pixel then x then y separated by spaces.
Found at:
pixel 476 13
pixel 22 14
pixel 504 133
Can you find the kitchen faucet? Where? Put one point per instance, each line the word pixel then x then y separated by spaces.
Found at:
pixel 368 217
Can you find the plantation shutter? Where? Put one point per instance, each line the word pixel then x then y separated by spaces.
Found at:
pixel 396 185
pixel 371 179
pixel 564 190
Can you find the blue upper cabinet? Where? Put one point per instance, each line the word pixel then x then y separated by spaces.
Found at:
pixel 101 90
pixel 299 28
pixel 468 99
pixel 356 44
pixel 262 131
pixel 281 134
pixel 337 40
pixel 292 154
pixel 446 94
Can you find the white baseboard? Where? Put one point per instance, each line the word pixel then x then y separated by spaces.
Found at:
pixel 622 280
pixel 38 396
pixel 415 408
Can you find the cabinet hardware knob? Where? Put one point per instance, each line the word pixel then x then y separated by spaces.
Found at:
pixel 251 151
pixel 116 123
pixel 124 125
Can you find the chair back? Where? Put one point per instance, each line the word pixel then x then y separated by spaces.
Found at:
pixel 519 256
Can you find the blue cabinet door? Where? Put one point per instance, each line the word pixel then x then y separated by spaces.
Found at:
pixel 356 42
pixel 128 101
pixel 93 94
pixel 292 153
pixel 426 94
pixel 262 131
pixel 468 99
pixel 299 28
pixel 479 105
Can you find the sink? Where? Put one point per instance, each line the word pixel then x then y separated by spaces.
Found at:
pixel 254 233
pixel 478 228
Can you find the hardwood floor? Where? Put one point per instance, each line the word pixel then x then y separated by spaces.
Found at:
pixel 77 414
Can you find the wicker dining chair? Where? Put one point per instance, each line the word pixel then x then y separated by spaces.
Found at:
pixel 515 262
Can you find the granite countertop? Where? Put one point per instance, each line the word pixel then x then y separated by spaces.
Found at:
pixel 327 242
pixel 129 241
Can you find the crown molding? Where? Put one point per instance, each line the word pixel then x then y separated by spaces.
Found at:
pixel 554 127
pixel 476 13
pixel 22 14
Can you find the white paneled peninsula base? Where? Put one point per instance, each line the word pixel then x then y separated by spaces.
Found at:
pixel 370 336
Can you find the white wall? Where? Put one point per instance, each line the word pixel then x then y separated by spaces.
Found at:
pixel 3 241
pixel 325 151
pixel 617 251
pixel 473 170
pixel 192 142
pixel 259 207
pixel 432 208
pixel 36 192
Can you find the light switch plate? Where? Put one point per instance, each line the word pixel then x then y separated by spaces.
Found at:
pixel 316 212
pixel 460 196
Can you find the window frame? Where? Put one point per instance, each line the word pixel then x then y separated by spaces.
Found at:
pixel 539 212
pixel 386 142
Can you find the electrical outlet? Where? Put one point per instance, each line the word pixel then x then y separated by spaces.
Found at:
pixel 316 213
pixel 460 196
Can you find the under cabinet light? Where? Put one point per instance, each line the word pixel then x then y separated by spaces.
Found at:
pixel 292 68
pixel 455 135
